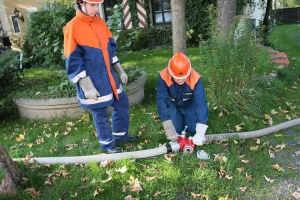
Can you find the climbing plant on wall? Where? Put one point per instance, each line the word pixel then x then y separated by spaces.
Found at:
pixel 133 11
pixel 148 13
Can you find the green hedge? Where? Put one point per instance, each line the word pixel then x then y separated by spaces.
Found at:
pixel 44 35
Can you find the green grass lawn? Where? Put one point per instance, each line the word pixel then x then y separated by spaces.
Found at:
pixel 237 169
pixel 286 38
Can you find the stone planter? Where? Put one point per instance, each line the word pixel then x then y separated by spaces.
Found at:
pixel 69 107
pixel 49 108
pixel 135 90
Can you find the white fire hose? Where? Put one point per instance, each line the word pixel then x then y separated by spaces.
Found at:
pixel 171 147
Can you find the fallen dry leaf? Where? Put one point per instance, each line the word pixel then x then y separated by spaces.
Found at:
pixel 242 189
pixel 129 197
pixel 220 158
pixel 32 192
pixel 98 191
pixel 254 148
pixel 276 166
pixel 148 178
pixel 20 138
pixel 271 154
pixel 249 177
pixel 269 118
pixel 238 128
pixel 135 184
pixel 107 180
pixel 297 194
pixel 221 114
pixel 194 195
pixel 168 157
pixel 274 112
pixel 24 180
pixel 84 179
pixel 206 197
pixel 244 161
pixel 291 167
pixel 240 169
pixel 268 179
pixel 280 146
pixel 203 164
pixel 39 140
pixel 106 163
pixel 225 198
pixel 257 141
pixel 124 189
pixel 122 169
pixel 156 194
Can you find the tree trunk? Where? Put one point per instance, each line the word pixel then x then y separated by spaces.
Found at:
pixel 178 26
pixel 10 175
pixel 226 11
pixel 266 19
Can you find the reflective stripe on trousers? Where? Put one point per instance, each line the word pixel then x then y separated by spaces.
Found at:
pixel 120 123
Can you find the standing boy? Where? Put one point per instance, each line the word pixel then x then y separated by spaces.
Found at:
pixel 90 49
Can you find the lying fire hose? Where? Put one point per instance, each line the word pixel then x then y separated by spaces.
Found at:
pixel 183 144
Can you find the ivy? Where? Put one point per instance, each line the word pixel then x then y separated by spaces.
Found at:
pixel 148 12
pixel 133 11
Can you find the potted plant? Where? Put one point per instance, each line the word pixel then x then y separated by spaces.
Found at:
pixel 47 93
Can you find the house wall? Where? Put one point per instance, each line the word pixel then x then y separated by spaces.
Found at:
pixel 257 13
pixel 7 8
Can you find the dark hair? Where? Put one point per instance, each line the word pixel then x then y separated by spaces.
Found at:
pixel 78 2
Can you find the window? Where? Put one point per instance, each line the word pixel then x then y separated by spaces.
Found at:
pixel 161 10
pixel 15 23
pixel 252 6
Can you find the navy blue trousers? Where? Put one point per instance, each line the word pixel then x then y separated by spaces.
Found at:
pixel 109 135
pixel 181 117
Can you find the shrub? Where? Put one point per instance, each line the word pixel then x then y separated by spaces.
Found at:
pixel 44 36
pixel 123 40
pixel 141 42
pixel 233 72
pixel 133 40
pixel 9 70
pixel 44 84
pixel 158 35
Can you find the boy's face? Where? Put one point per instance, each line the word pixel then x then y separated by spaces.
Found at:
pixel 180 81
pixel 90 9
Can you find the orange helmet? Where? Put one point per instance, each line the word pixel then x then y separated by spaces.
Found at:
pixel 93 1
pixel 179 66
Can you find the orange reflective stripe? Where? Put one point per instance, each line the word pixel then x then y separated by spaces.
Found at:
pixel 193 79
pixel 166 76
pixel 103 45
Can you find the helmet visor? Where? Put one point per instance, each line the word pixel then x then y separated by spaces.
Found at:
pixel 93 1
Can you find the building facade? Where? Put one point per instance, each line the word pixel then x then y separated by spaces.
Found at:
pixel 14 14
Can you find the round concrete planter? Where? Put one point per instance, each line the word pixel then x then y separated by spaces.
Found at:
pixel 69 107
pixel 135 90
pixel 49 108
